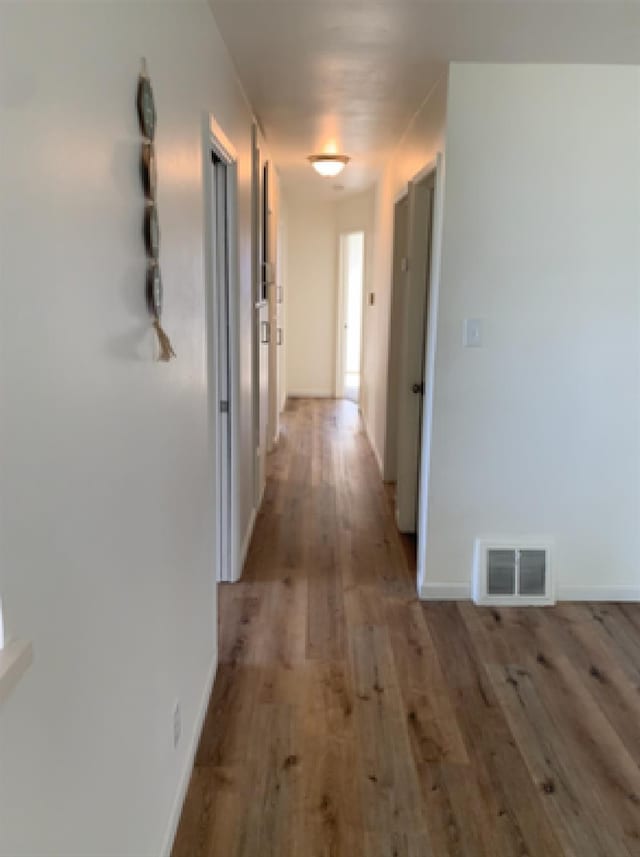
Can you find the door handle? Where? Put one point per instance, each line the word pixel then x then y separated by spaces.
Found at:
pixel 418 388
pixel 279 336
pixel 264 332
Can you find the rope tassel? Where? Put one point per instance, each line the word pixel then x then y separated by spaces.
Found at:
pixel 166 349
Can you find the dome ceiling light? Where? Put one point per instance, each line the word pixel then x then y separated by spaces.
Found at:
pixel 328 165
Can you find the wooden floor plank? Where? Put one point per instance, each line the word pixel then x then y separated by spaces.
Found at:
pixel 348 719
pixel 573 808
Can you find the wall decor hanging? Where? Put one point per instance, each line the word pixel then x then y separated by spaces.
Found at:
pixel 148 170
pixel 151 227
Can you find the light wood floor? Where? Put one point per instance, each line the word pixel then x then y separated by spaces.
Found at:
pixel 350 719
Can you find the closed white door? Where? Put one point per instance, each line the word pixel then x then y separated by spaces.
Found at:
pixel 412 356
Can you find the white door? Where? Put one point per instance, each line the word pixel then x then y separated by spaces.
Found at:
pixel 413 344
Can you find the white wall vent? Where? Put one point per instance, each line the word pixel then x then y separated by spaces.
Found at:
pixel 513 571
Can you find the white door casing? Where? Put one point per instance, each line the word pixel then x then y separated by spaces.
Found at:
pixel 223 340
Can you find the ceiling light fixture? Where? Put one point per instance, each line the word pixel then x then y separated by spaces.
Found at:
pixel 328 165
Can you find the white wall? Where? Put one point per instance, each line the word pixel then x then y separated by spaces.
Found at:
pixel 106 558
pixel 312 251
pixel 419 145
pixel 400 249
pixel 311 297
pixel 538 431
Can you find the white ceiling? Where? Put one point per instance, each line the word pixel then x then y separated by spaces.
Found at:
pixel 353 73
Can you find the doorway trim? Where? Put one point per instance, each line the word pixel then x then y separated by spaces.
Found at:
pixel 437 166
pixel 216 143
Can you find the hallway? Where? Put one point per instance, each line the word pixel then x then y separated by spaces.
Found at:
pixel 348 718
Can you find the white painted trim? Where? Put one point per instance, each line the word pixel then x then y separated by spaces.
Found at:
pixel 445 592
pixel 462 592
pixel 257 305
pixel 185 778
pixel 210 321
pixel 376 454
pixel 15 660
pixel 261 495
pixel 425 172
pixel 244 550
pixel 339 356
pixel 402 194
pixel 310 393
pixel 234 368
pixel 430 369
pixel 215 140
pixel 599 593
pixel 223 145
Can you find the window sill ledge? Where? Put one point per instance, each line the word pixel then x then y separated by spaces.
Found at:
pixel 15 660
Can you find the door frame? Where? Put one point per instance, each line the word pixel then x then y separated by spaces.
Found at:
pixel 438 168
pixel 260 321
pixel 215 142
pixel 341 314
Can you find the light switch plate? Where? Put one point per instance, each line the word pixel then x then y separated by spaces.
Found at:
pixel 472 333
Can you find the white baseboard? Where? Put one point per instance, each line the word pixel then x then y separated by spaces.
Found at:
pixel 462 592
pixel 311 393
pixel 246 541
pixel 598 593
pixel 445 591
pixel 176 812
pixel 376 454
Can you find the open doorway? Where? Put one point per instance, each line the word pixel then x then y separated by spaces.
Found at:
pixel 350 298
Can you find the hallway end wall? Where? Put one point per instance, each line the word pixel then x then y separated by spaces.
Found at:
pixel 313 228
pixel 311 272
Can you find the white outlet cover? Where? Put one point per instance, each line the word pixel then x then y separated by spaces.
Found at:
pixel 472 333
pixel 177 724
